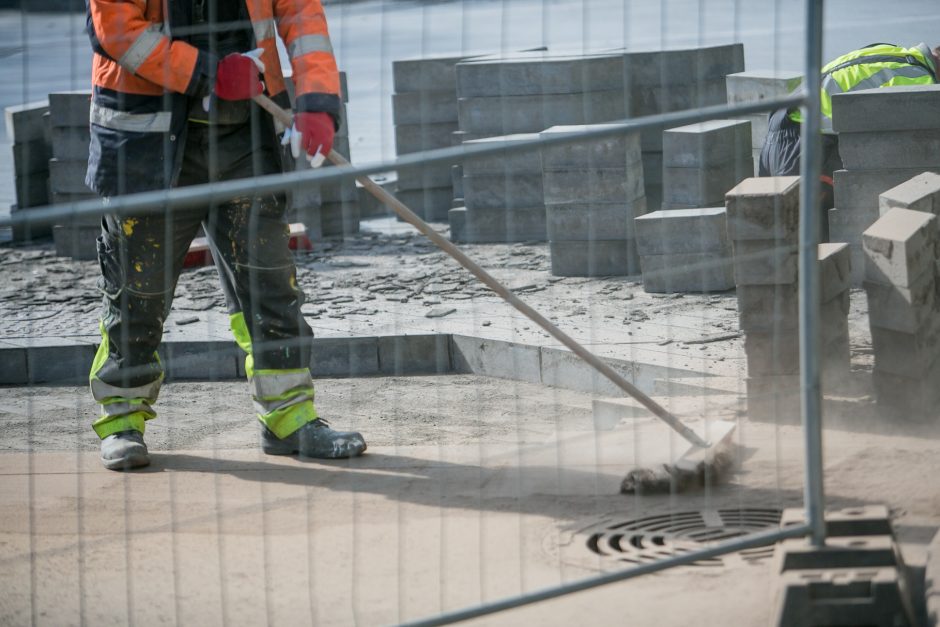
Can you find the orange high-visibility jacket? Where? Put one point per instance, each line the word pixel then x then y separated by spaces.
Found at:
pixel 143 76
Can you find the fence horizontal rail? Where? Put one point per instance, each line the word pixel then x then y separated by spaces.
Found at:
pixel 739 544
pixel 199 195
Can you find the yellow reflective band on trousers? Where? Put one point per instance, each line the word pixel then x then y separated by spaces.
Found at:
pixel 121 410
pixel 283 399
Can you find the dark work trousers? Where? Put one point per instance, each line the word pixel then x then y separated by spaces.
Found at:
pixel 780 156
pixel 141 259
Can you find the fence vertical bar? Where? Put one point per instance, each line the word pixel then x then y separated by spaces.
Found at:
pixel 809 306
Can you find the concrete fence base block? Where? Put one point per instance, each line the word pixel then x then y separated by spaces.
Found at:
pixel 863 520
pixel 878 597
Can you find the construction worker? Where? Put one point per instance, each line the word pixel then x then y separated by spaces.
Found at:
pixel 171 107
pixel 877 65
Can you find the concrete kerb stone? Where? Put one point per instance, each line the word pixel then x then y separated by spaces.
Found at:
pixel 701 272
pixel 906 354
pixel 681 66
pixel 424 107
pixel 707 144
pixel 201 361
pixel 430 203
pixel 26 122
pixel 904 309
pixel 683 231
pixel 764 262
pixel 14 369
pixel 31 157
pixel 900 149
pixel 594 258
pixel 415 354
pixel 496 224
pixel 757 85
pixel 531 114
pixel 859 189
pixel 764 208
pixel 510 164
pixel 48 361
pixel 900 247
pixel 921 193
pixel 869 110
pixel 70 143
pixel 702 187
pixel 411 138
pixel 69 108
pixel 622 151
pixel 425 74
pixel 665 98
pixel 345 357
pixel 573 185
pixel 506 360
pixel 593 221
pixel 495 191
pixel 68 177
pixel 537 73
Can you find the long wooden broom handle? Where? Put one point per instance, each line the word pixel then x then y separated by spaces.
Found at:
pixel 448 247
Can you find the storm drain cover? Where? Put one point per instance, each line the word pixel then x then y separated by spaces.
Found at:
pixel 652 538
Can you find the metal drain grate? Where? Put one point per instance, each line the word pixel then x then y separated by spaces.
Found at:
pixel 652 538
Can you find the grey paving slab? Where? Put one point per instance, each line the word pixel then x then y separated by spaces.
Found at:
pixel 680 66
pixel 592 185
pixel 906 354
pixel 595 258
pixel 32 156
pixel 536 73
pixel 425 73
pixel 495 191
pixel 764 262
pixel 859 189
pixel 622 151
pixel 896 149
pixel 871 109
pixel 509 164
pixel 68 177
pixel 921 193
pixel 25 122
pixel 757 85
pixel 411 138
pixel 501 115
pixel 707 144
pixel 904 309
pixel 702 187
pixel 700 272
pixel 587 221
pixel 900 246
pixel 505 225
pixel 683 231
pixel 70 142
pixel 345 357
pixel 414 354
pixel 430 203
pixel 764 208
pixel 425 107
pixel 508 360
pixel 69 108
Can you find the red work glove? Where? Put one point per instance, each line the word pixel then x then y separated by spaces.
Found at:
pixel 312 132
pixel 237 76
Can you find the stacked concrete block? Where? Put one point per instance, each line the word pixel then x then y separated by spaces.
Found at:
pixel 701 162
pixel 921 193
pixel 880 149
pixel 672 80
pixel 424 110
pixel 68 117
pixel 763 216
pixel 328 209
pixel 685 250
pixel 756 86
pixel 857 578
pixel 593 192
pixel 900 281
pixel 503 196
pixel 28 130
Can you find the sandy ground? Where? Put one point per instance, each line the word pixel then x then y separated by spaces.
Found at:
pixel 484 489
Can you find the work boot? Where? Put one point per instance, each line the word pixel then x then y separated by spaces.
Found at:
pixel 124 450
pixel 314 439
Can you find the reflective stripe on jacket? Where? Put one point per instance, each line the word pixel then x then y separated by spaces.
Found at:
pixel 143 77
pixel 879 65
